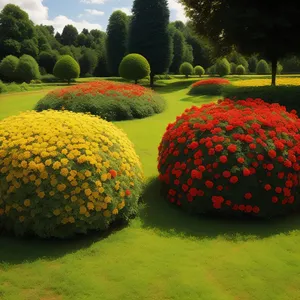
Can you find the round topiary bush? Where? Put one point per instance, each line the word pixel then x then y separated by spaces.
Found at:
pixel 110 100
pixel 240 70
pixel 66 68
pixel 234 158
pixel 134 67
pixel 198 70
pixel 223 67
pixel 262 68
pixel 233 67
pixel 208 86
pixel 186 69
pixel 63 173
pixel 8 67
pixel 27 69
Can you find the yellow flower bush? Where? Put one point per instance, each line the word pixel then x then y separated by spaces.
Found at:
pixel 267 82
pixel 63 173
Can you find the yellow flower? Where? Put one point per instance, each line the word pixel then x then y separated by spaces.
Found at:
pixel 37 159
pixel 122 194
pixel 90 206
pixel 32 177
pixel 104 205
pixel 107 213
pixel 73 198
pixel 66 196
pixel 77 190
pixel 88 192
pixel 107 199
pixel 106 164
pixel 121 205
pixel 104 177
pixel 68 208
pixel 65 220
pixel 64 172
pixel 74 183
pixel 56 212
pixel 88 173
pixel 73 173
pixel 27 202
pixel 52 193
pixel 115 211
pixel 44 175
pixel 24 164
pixel 64 151
pixel 85 185
pixel 71 220
pixel 27 154
pixel 53 182
pixel 61 187
pixel 56 165
pixel 41 195
pixel 101 190
pixel 64 161
pixel 48 162
pixel 38 182
pixel 21 219
pixel 82 210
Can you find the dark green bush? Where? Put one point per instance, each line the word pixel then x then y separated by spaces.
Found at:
pixel 110 100
pixel 88 62
pixel 287 96
pixel 8 67
pixel 198 70
pixel 134 67
pixel 240 70
pixel 186 69
pixel 262 68
pixel 66 68
pixel 252 62
pixel 223 67
pixel 3 88
pixel 27 69
pixel 233 68
pixel 29 47
pixel 47 60
pixel 291 64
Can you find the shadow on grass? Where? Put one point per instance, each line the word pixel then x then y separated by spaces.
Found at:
pixel 16 250
pixel 200 99
pixel 168 220
pixel 174 86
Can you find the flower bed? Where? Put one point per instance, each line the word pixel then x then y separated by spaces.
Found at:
pixel 63 173
pixel 110 100
pixel 295 81
pixel 211 86
pixel 234 158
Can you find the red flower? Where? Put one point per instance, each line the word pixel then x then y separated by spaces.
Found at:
pixel 268 187
pixel 226 174
pixel 128 193
pixel 234 179
pixel 248 196
pixel 274 199
pixel 219 148
pixel 241 160
pixel 113 173
pixel 228 202
pixel 209 184
pixel 270 167
pixel 272 153
pixel 252 146
pixel 242 207
pixel 248 208
pixel 278 190
pixel 256 209
pixel 260 157
pixel 246 172
pixel 232 148
pixel 223 159
pixel 185 187
pixel 193 192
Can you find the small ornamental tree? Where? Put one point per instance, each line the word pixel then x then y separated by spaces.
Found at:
pixel 134 67
pixel 252 62
pixel 47 60
pixel 8 67
pixel 223 67
pixel 198 70
pixel 66 68
pixel 28 68
pixel 262 68
pixel 233 68
pixel 240 70
pixel 186 69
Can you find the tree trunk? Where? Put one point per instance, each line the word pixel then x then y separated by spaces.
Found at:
pixel 274 71
pixel 152 80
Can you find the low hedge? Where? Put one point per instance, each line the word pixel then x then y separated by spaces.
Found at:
pixel 212 86
pixel 63 173
pixel 110 100
pixel 288 96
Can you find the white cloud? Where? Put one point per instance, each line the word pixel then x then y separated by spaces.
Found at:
pixel 178 9
pixel 126 10
pixel 38 13
pixel 94 12
pixel 93 1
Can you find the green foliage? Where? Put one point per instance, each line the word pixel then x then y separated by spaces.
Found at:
pixel 8 67
pixel 3 88
pixel 107 100
pixel 149 26
pixel 27 68
pixel 49 78
pixel 223 67
pixel 238 59
pixel 212 70
pixel 47 60
pixel 279 68
pixel 188 55
pixel 69 35
pixel 88 61
pixel 134 67
pixel 291 64
pixel 29 47
pixel 262 68
pixel 233 67
pixel 198 70
pixel 178 51
pixel 117 40
pixel 252 62
pixel 66 68
pixel 186 69
pixel 10 47
pixel 240 70
pixel 287 96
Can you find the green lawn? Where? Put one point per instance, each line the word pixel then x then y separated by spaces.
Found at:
pixel 163 254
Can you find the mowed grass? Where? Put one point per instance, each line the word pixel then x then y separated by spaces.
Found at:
pixel 163 254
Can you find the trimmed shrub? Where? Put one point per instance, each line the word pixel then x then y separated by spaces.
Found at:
pixel 110 100
pixel 240 70
pixel 279 68
pixel 3 88
pixel 262 68
pixel 252 62
pixel 47 60
pixel 8 67
pixel 134 67
pixel 232 158
pixel 64 173
pixel 291 64
pixel 198 70
pixel 212 70
pixel 233 67
pixel 208 86
pixel 27 69
pixel 186 69
pixel 223 67
pixel 88 62
pixel 66 68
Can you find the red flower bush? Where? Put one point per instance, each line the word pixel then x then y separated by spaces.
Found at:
pixel 111 100
pixel 235 157
pixel 211 86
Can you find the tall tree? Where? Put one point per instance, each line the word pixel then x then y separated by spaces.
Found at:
pixel 149 34
pixel 15 27
pixel 267 27
pixel 69 35
pixel 178 51
pixel 117 40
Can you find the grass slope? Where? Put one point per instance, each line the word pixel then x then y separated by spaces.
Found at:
pixel 163 254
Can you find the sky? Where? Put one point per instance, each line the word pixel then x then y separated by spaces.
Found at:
pixel 90 14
